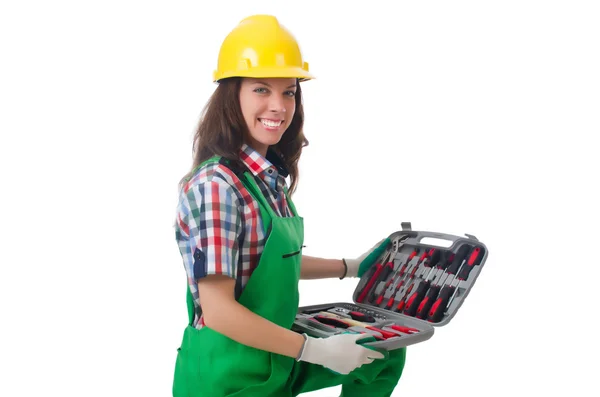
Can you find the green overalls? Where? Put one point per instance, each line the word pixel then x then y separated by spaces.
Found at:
pixel 210 364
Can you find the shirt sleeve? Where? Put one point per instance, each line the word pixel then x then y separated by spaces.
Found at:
pixel 213 223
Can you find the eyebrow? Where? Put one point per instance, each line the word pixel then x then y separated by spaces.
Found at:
pixel 268 85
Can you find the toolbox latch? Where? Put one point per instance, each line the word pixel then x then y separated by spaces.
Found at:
pixel 471 237
pixel 406 226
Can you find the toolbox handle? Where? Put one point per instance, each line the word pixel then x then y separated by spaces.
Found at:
pixel 442 236
pixel 407 227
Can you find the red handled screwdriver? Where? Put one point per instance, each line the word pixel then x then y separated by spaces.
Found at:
pixel 353 315
pixel 434 293
pixel 434 289
pixel 401 271
pixel 406 277
pixel 413 301
pixel 401 328
pixel 361 317
pixel 335 323
pixel 333 319
pixel 428 262
pixel 385 273
pixel 441 304
pixel 378 269
pixel 405 294
pixel 473 261
pixel 400 285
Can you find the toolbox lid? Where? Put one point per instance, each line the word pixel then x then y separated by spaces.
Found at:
pixel 425 265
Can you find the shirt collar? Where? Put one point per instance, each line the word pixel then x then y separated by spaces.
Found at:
pixel 258 164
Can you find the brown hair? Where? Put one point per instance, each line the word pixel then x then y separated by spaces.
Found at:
pixel 222 129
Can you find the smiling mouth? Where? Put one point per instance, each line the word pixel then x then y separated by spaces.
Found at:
pixel 271 123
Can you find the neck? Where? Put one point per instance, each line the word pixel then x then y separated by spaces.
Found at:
pixel 259 147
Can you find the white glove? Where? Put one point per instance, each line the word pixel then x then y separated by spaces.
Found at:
pixel 339 353
pixel 354 264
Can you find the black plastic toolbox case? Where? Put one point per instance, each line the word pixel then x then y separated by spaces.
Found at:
pixel 413 281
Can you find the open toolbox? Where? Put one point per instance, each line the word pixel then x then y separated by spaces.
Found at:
pixel 412 287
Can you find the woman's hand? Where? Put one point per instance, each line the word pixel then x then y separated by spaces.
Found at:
pixel 357 267
pixel 339 353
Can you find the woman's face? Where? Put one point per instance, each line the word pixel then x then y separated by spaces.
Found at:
pixel 268 106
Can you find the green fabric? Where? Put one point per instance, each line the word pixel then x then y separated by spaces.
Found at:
pixel 210 364
pixel 372 257
pixel 377 379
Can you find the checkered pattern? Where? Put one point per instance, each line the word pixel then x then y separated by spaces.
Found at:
pixel 219 229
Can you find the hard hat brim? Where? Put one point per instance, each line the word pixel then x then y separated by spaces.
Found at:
pixel 265 73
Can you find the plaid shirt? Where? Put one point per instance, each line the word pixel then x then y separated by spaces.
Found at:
pixel 219 229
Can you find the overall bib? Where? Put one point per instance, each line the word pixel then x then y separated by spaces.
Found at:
pixel 209 364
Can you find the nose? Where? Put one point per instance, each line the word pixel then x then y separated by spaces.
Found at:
pixel 276 104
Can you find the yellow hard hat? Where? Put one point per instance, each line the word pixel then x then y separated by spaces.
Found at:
pixel 260 47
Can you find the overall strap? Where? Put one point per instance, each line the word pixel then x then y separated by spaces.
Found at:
pixel 266 212
pixel 289 201
pixel 190 304
pixel 208 160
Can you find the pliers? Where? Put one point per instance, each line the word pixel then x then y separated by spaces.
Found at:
pixel 382 271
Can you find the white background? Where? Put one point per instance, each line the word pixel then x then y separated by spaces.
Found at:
pixel 460 117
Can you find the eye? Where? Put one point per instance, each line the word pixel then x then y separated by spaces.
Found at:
pixel 290 93
pixel 261 90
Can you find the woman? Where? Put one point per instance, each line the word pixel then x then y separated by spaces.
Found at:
pixel 241 239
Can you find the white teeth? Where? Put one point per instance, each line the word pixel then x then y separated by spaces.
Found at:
pixel 269 123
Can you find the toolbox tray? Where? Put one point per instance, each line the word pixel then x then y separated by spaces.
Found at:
pixel 448 259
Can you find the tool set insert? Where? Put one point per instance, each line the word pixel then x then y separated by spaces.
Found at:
pixel 413 287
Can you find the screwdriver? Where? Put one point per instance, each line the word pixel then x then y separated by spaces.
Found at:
pixel 363 330
pixel 401 328
pixel 417 296
pixel 336 323
pixel 331 321
pixel 438 309
pixel 387 270
pixel 350 322
pixel 455 261
pixel 463 275
pixel 301 327
pixel 385 273
pixel 428 261
pixel 398 287
pixel 403 280
pixel 441 305
pixel 434 289
pixel 401 271
pixel 355 315
pixel 378 333
pixel 387 286
pixel 471 263
pixel 378 269
pixel 361 317
pixel 316 310
pixel 402 302
pixel 404 294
